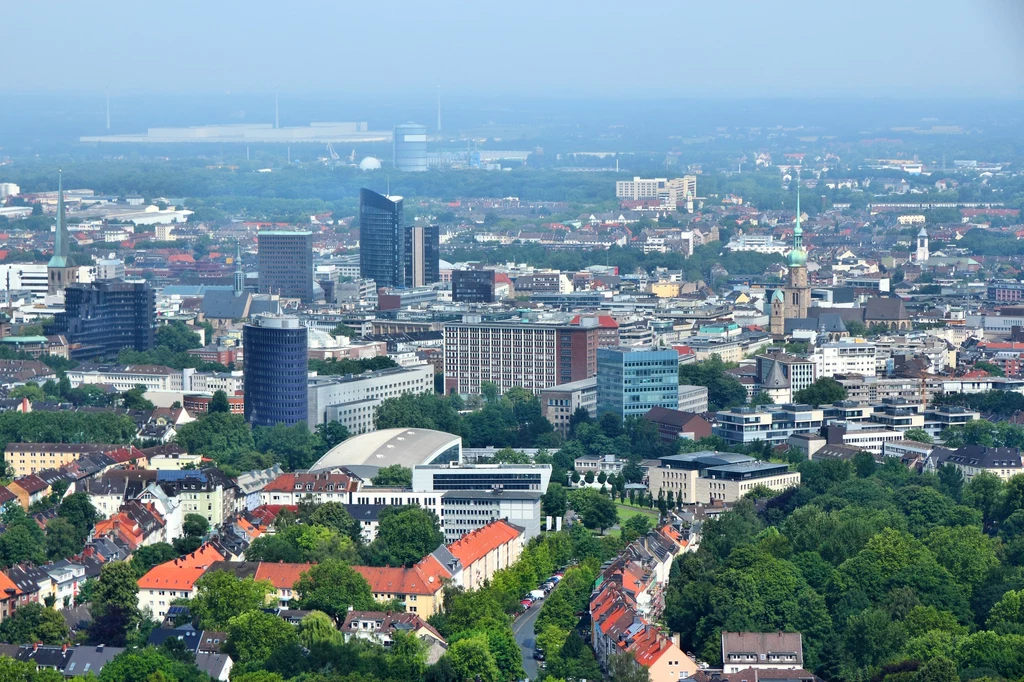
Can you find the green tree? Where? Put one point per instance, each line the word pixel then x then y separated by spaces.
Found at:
pixel 724 390
pixel 219 403
pixel 555 501
pixel 254 636
pixel 993 370
pixel 919 435
pixel 471 660
pixel 149 664
pixel 134 399
pixel 79 512
pixel 824 391
pixel 966 552
pixel 624 668
pixel 761 398
pixel 316 629
pixel 16 671
pixel 596 510
pixel 294 446
pixel 177 337
pixel 405 535
pixel 344 330
pixel 335 516
pixel 393 476
pixel 225 438
pixel 34 622
pixel 148 556
pixel 195 525
pixel 333 587
pixel 1007 616
pixel 220 596
pixel 115 610
pixel 31 391
pixel 331 434
pixel 62 539
pixel 635 527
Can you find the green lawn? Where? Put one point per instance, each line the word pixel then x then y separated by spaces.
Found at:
pixel 626 512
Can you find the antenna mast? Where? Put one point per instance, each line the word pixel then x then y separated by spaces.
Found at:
pixel 438 108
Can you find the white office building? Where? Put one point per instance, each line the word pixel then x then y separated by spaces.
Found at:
pixel 353 399
pixel 848 356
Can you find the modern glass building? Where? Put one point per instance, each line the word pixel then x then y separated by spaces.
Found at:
pixel 381 239
pixel 276 362
pixel 411 147
pixel 631 381
pixel 102 318
pixel 286 263
pixel 422 255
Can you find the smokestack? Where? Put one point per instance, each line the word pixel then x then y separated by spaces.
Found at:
pixel 108 111
pixel 438 108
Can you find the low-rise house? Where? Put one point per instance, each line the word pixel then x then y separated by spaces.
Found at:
pixel 217 666
pixel 8 596
pixel 320 487
pixel 29 490
pixel 251 484
pixel 33 583
pixel 89 660
pixel 368 517
pixel 174 579
pixel 762 651
pixel 283 577
pixel 673 424
pixel 380 626
pixel 972 460
pixel 66 579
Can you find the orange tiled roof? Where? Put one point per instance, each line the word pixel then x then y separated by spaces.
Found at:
pixel 8 587
pixel 282 576
pixel 399 580
pixel 476 544
pixel 183 572
pixel 319 482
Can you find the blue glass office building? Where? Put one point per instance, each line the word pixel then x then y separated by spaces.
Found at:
pixel 411 147
pixel 631 381
pixel 382 239
pixel 276 367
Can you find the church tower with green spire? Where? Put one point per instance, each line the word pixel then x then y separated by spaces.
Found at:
pixel 59 271
pixel 791 302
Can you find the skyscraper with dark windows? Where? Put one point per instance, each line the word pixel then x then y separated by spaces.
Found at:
pixel 422 255
pixel 286 263
pixel 382 240
pixel 276 367
pixel 102 318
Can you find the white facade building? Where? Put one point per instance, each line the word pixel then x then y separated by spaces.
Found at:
pixel 353 400
pixel 848 356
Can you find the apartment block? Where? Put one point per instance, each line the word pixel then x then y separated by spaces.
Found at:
pixel 520 354
pixel 354 399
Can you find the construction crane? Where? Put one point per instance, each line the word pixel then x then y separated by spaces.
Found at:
pixel 334 154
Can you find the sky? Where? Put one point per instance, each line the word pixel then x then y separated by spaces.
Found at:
pixel 559 48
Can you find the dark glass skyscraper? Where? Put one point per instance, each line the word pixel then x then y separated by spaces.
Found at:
pixel 276 367
pixel 286 263
pixel 102 318
pixel 422 255
pixel 381 239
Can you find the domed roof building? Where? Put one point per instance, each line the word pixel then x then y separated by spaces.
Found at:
pixel 369 163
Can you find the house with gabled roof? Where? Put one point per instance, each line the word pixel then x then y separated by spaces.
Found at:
pixel 174 579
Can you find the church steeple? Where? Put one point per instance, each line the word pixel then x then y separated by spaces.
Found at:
pixel 59 272
pixel 798 256
pixel 239 274
pixel 60 239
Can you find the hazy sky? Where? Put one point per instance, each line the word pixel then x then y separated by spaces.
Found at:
pixel 672 48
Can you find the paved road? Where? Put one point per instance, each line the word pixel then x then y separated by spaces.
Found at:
pixel 523 630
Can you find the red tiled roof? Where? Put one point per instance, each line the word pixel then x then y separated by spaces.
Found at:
pixel 281 575
pixel 183 572
pixel 320 482
pixel 400 580
pixel 478 543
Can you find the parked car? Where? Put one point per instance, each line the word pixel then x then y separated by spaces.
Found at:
pixel 538 654
pixel 527 603
pixel 537 594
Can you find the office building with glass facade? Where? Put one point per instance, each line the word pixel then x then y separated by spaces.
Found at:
pixel 381 239
pixel 632 380
pixel 286 263
pixel 276 370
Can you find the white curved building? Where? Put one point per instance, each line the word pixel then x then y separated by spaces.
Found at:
pixel 369 163
pixel 365 454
